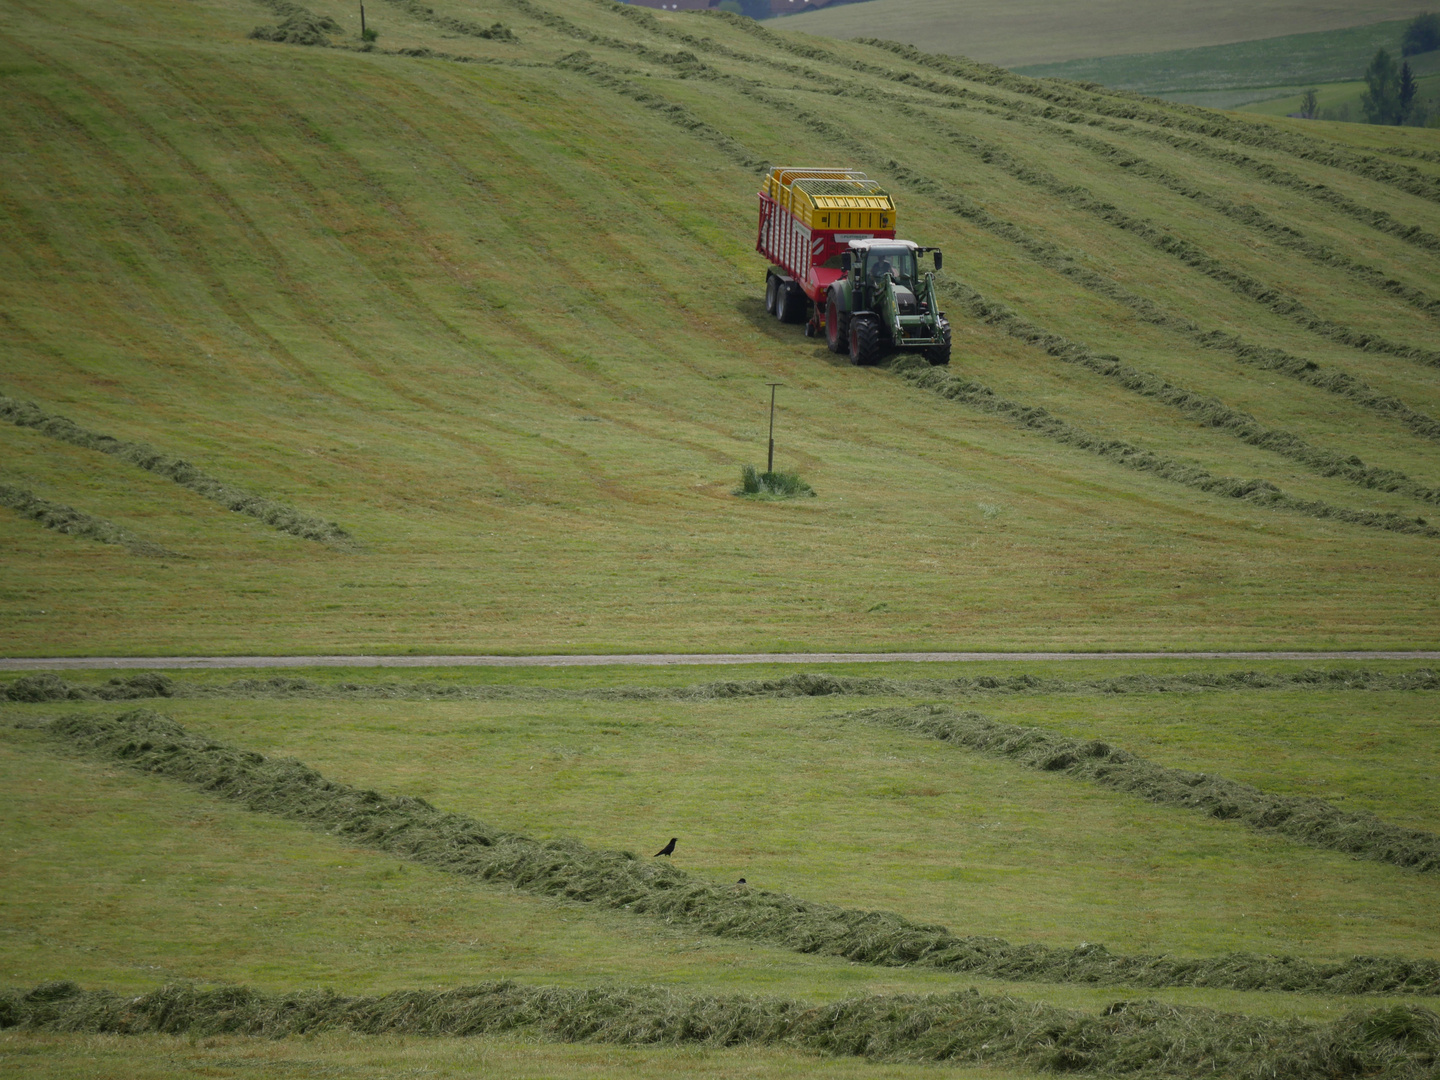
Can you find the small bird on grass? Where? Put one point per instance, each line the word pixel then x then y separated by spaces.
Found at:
pixel 668 849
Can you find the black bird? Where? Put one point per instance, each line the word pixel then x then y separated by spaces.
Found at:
pixel 740 882
pixel 668 849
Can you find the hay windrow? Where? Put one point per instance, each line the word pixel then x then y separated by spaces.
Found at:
pixel 1126 1038
pixel 1051 257
pixel 47 686
pixel 424 13
pixel 275 514
pixel 1206 411
pixel 72 522
pixel 1044 107
pixel 1310 821
pixel 1124 105
pixel 410 827
pixel 1255 490
pixel 1193 256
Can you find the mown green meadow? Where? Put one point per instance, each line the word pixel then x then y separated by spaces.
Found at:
pixel 499 321
pixel 456 344
pixel 134 880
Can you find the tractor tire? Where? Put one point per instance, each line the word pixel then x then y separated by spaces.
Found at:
pixel 939 355
pixel 837 325
pixel 790 304
pixel 864 341
pixel 772 288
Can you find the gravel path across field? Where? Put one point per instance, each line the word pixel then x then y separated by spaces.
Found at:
pixel 72 663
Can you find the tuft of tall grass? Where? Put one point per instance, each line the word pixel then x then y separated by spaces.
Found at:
pixel 779 485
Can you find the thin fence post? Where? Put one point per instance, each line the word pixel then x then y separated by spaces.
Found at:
pixel 770 459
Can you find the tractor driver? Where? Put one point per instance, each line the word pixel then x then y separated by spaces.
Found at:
pixel 885 268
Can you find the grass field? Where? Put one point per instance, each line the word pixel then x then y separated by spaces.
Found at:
pixel 131 880
pixel 456 344
pixel 318 275
pixel 1046 32
pixel 1302 60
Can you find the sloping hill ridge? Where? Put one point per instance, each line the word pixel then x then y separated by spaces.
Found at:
pixel 478 307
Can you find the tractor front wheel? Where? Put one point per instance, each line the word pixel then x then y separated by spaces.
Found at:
pixel 864 341
pixel 939 355
pixel 837 325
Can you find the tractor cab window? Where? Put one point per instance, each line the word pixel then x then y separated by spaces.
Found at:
pixel 896 263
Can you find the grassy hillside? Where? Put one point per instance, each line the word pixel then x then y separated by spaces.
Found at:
pixel 464 350
pixel 1047 32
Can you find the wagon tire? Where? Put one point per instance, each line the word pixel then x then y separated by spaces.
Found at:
pixel 789 304
pixel 772 287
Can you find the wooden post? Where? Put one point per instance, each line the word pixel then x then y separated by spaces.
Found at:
pixel 362 22
pixel 770 458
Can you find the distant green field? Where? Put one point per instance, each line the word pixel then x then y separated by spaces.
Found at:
pixel 1052 32
pixel 1293 60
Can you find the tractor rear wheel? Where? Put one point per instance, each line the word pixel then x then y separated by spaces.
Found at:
pixel 864 341
pixel 837 325
pixel 772 288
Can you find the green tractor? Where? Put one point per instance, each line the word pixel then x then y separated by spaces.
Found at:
pixel 883 303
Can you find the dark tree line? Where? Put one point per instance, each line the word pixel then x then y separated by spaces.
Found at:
pixel 1389 90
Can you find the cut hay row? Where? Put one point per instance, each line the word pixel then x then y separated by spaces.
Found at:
pixel 1196 258
pixel 1245 214
pixel 417 10
pixel 1379 220
pixel 411 828
pixel 1309 821
pixel 1249 216
pixel 1046 109
pixel 1206 411
pixel 49 687
pixel 1125 105
pixel 1257 491
pixel 1263 357
pixel 1267 358
pixel 27 414
pixel 1328 463
pixel 607 76
pixel 1127 1038
pixel 72 522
